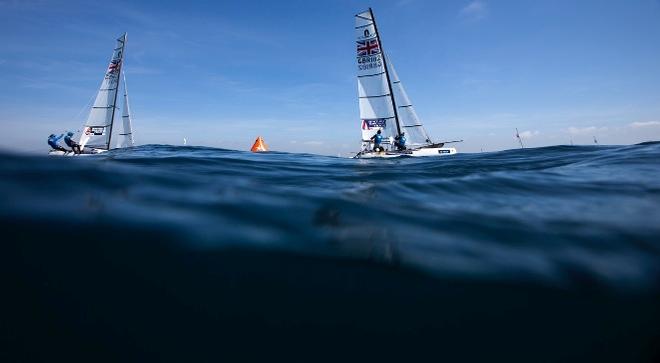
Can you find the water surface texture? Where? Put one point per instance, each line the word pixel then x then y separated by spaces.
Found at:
pixel 192 253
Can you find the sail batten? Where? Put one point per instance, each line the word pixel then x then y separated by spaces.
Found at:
pixel 371 75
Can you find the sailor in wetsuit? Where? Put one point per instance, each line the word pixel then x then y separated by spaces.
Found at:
pixel 377 139
pixel 75 147
pixel 53 142
pixel 400 142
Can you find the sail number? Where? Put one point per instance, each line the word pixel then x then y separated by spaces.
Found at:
pixel 369 62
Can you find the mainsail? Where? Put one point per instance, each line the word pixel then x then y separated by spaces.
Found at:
pixel 126 139
pixel 384 104
pixel 377 104
pixel 97 132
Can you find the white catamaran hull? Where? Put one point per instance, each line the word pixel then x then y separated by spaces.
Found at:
pixel 424 152
pixel 86 152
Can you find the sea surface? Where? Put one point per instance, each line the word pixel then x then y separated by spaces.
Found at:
pixel 164 253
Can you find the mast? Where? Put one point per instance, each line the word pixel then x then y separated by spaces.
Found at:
pixel 114 102
pixel 387 74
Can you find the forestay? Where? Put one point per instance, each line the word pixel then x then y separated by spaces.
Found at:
pixel 98 128
pixel 375 99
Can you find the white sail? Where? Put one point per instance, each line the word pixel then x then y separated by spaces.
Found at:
pixel 416 134
pixel 126 136
pixel 97 132
pixel 376 102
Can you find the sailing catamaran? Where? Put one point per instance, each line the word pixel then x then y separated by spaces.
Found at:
pixel 96 136
pixel 384 104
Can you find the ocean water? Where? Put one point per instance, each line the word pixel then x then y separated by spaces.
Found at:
pixel 202 254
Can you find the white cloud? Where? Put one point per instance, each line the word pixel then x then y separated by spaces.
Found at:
pixel 637 125
pixel 475 10
pixel 313 142
pixel 529 134
pixel 585 130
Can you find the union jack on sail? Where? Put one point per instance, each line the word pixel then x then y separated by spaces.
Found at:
pixel 367 47
pixel 114 65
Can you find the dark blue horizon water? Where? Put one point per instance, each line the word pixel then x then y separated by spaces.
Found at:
pixel 192 253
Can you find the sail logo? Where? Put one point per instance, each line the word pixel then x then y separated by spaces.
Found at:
pixel 367 47
pixel 367 34
pixel 94 130
pixel 369 124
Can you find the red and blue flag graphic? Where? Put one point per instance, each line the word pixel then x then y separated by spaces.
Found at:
pixel 367 47
pixel 379 122
pixel 114 65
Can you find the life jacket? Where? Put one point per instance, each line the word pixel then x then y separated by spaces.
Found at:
pixel 52 141
pixel 68 141
pixel 378 139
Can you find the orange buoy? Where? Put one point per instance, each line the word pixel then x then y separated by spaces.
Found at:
pixel 259 145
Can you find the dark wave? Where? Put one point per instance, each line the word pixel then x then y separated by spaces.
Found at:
pixel 242 247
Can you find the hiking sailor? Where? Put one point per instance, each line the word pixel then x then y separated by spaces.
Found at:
pixel 75 147
pixel 53 142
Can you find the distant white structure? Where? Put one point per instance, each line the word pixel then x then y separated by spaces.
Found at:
pixel 519 139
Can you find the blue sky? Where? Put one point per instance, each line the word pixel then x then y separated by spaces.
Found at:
pixel 222 72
